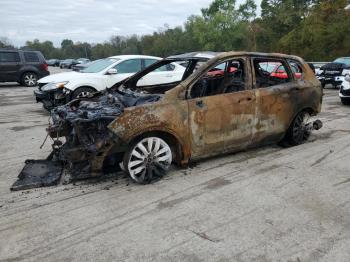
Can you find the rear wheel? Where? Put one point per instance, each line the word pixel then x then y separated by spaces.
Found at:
pixel 298 132
pixel 83 92
pixel 29 79
pixel 147 160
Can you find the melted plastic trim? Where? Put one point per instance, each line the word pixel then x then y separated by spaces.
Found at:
pixel 38 173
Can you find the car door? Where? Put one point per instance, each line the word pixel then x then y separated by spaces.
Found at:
pixel 275 100
pixel 9 65
pixel 221 119
pixel 125 69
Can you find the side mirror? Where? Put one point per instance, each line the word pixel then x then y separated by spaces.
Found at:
pixel 347 78
pixel 112 71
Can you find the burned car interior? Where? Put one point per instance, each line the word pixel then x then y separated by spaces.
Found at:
pixel 263 72
pixel 271 72
pixel 142 129
pixel 226 77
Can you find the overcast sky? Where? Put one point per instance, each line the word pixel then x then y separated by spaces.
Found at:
pixel 91 20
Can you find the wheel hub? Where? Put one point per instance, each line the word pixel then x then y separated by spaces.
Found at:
pixel 149 160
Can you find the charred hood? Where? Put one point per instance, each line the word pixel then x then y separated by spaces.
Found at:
pixel 106 106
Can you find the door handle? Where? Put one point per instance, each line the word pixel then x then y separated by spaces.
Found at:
pixel 246 99
pixel 199 103
pixel 250 98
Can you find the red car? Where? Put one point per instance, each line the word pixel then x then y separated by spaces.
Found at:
pixel 218 71
pixel 277 70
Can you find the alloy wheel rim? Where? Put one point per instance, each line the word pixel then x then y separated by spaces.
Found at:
pixel 149 159
pixel 30 80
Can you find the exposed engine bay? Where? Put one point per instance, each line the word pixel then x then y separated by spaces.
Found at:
pixel 81 137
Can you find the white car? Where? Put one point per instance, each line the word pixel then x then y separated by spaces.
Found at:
pixel 58 89
pixel 344 90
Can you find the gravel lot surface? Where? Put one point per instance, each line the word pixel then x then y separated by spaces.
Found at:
pixel 266 204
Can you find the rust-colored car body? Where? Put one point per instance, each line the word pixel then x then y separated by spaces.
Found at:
pixel 101 131
pixel 207 126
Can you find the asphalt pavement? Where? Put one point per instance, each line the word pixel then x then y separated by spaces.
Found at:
pixel 265 204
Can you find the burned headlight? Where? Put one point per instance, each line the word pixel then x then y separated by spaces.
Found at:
pixel 53 86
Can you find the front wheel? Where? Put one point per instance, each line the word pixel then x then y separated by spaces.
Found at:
pixel 29 79
pixel 298 131
pixel 83 92
pixel 147 160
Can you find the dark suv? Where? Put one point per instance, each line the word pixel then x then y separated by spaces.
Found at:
pixel 24 67
pixel 333 73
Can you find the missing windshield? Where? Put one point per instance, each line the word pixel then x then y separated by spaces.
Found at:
pixel 162 76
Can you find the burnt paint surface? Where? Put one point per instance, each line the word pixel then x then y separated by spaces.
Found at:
pixel 228 122
pixel 168 115
pixel 99 130
pixel 103 125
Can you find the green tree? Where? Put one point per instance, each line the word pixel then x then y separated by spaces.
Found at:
pixel 66 43
pixel 5 43
pixel 223 26
pixel 323 35
pixel 278 18
pixel 46 47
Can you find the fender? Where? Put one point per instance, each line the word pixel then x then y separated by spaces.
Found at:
pixel 139 120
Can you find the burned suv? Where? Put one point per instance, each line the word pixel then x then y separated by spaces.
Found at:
pixel 225 104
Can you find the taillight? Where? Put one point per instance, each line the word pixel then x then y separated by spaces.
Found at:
pixel 44 67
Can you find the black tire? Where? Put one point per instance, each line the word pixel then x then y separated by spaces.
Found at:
pixel 153 168
pixel 29 79
pixel 296 133
pixel 82 92
pixel 345 101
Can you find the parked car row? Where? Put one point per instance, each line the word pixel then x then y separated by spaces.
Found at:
pixel 337 74
pixel 53 62
pixel 81 66
pixel 67 63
